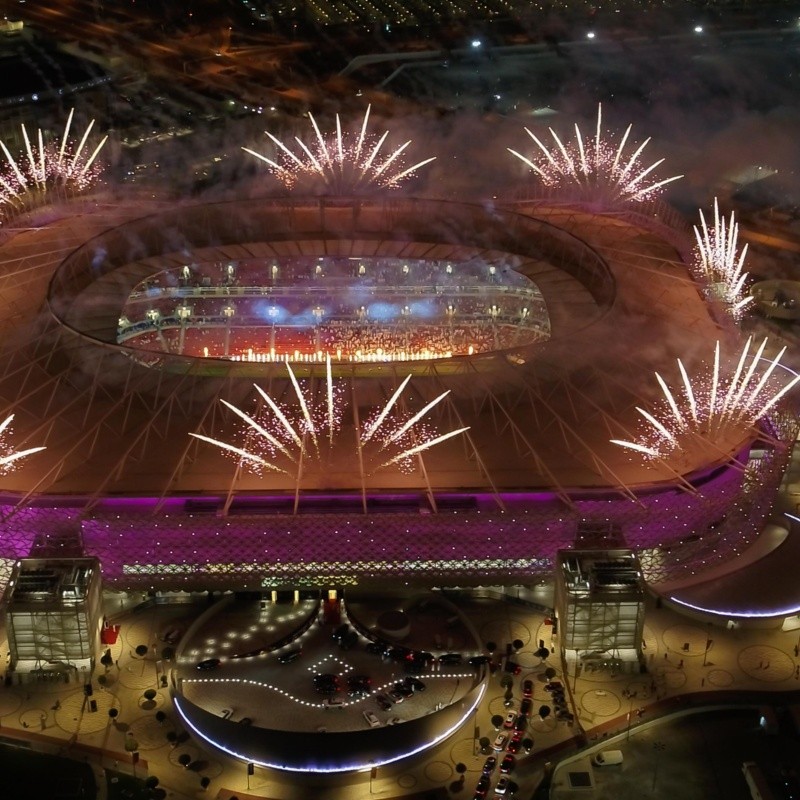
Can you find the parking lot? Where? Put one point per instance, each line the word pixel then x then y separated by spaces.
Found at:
pixel 335 683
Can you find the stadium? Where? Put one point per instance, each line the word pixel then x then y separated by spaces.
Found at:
pixel 302 394
pixel 539 357
pixel 338 388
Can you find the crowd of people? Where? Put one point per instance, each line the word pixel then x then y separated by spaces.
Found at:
pixel 342 341
pixel 350 309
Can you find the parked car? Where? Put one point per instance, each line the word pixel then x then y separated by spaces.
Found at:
pixel 334 701
pixel 290 655
pixel 245 721
pixel 209 663
pixel 554 686
pixel 515 745
pixel 521 723
pixel 500 741
pixel 375 647
pixel 508 764
pixel 415 684
pixel 502 786
pixel 404 689
pixel 489 765
pixel 372 720
pixel 527 688
pixel 510 719
pixel 450 658
pixel 327 683
pixel 606 758
pixel 422 655
pixel 477 661
pixel 383 702
pixel 340 632
pixel 396 697
pixel 525 706
pixel 483 785
pixel 359 685
pixel 348 641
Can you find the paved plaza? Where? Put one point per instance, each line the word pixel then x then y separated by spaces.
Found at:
pixel 606 699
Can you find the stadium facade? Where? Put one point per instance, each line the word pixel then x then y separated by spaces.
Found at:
pixel 531 472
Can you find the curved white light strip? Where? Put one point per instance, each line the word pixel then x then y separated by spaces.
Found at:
pixel 782 612
pixel 351 768
pixel 343 704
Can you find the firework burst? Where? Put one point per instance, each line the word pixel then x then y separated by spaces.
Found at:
pixel 43 167
pixel 714 407
pixel 9 457
pixel 409 434
pixel 280 433
pixel 345 162
pixel 596 167
pixel 719 261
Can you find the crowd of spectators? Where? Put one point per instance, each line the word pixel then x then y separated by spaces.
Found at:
pixel 351 309
pixel 342 341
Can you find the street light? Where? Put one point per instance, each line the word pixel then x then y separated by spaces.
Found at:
pixel 658 747
pixel 708 644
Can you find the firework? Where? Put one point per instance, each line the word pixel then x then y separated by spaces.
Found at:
pixel 715 406
pixel 408 434
pixel 283 431
pixel 719 261
pixel 44 166
pixel 596 166
pixel 10 458
pixel 345 162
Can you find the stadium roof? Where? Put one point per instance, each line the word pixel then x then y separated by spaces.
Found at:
pixel 621 302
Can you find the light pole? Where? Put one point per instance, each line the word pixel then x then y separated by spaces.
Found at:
pixel 708 645
pixel 632 696
pixel 658 747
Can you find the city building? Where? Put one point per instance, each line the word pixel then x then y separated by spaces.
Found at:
pixel 53 615
pixel 600 604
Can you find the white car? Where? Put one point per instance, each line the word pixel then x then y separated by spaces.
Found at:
pixel 607 758
pixel 510 719
pixel 372 720
pixel 502 786
pixel 500 741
